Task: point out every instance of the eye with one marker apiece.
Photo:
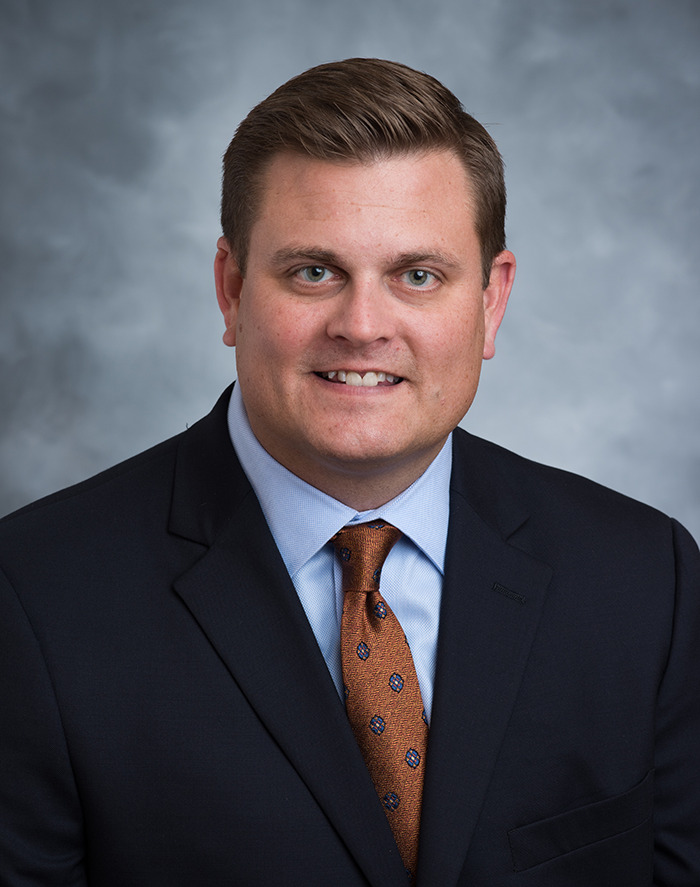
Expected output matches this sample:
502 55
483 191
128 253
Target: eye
418 277
314 274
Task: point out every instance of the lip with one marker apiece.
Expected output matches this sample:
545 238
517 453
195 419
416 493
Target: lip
360 378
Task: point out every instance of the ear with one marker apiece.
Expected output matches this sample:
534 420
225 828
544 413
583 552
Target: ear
496 298
229 283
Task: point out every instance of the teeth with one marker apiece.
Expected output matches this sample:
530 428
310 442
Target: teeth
354 379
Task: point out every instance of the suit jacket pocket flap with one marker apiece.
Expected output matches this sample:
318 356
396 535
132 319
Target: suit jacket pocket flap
541 841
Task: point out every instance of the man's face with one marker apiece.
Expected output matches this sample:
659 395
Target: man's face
361 273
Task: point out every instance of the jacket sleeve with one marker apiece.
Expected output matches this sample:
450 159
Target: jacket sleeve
677 749
41 830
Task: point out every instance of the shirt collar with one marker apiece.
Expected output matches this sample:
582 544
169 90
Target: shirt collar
302 518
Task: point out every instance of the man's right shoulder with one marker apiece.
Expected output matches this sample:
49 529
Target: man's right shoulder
135 477
126 486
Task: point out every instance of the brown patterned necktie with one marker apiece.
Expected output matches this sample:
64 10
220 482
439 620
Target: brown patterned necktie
383 698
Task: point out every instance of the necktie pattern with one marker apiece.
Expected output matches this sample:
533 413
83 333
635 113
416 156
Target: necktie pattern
383 698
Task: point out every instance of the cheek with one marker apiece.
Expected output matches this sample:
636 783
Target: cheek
457 345
455 356
270 334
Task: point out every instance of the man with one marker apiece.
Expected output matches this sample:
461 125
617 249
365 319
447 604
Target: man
175 655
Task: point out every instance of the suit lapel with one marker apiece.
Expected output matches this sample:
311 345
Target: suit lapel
240 594
492 600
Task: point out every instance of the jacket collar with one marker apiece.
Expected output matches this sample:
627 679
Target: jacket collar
209 483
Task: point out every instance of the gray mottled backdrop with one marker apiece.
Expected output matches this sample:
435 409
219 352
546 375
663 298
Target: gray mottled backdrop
114 119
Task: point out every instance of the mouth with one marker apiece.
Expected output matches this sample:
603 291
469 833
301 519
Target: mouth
370 379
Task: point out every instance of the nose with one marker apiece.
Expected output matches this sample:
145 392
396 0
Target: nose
362 313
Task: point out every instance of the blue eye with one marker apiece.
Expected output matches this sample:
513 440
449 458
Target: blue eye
418 277
314 274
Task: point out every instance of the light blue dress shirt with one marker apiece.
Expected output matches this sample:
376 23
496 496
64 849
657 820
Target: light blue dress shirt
302 519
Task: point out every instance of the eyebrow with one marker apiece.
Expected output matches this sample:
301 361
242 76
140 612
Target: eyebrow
305 254
328 257
428 258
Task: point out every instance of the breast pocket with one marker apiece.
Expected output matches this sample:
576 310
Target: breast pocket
547 839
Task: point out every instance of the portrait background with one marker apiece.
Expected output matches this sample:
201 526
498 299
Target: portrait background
113 120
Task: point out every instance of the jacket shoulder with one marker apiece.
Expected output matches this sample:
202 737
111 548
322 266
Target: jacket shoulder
130 486
136 472
554 500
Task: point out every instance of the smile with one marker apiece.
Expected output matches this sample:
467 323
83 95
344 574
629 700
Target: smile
357 380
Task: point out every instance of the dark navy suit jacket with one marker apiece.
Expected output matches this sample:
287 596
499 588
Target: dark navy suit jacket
167 719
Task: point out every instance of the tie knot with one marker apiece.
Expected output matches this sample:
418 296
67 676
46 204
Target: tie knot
362 550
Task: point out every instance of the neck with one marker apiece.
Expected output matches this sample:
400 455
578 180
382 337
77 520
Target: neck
366 488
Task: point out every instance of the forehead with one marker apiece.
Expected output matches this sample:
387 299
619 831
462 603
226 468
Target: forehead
424 194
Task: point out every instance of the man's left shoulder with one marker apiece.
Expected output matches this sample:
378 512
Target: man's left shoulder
556 501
